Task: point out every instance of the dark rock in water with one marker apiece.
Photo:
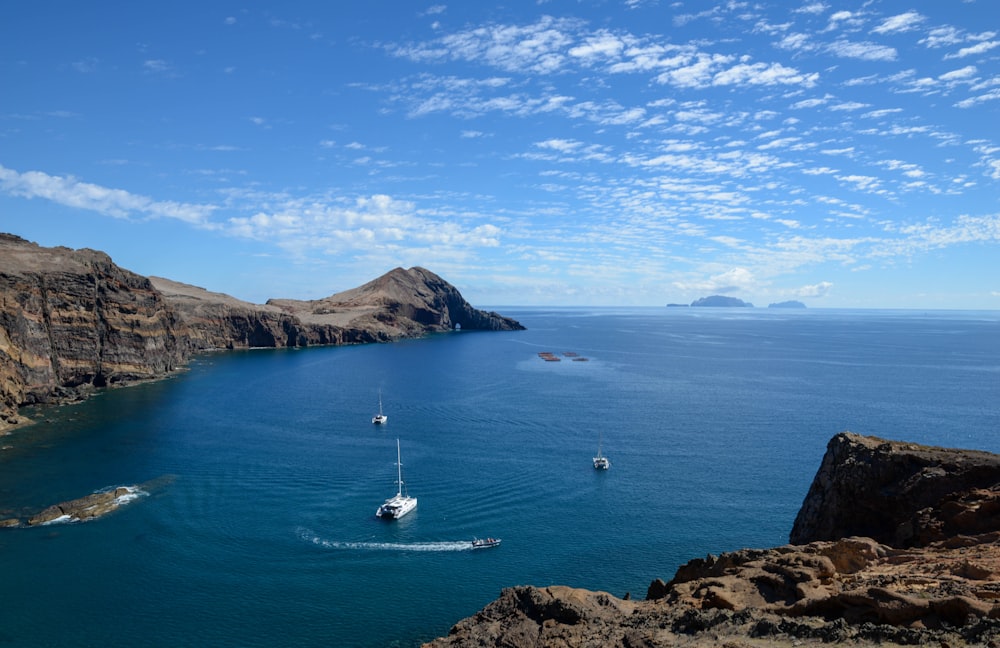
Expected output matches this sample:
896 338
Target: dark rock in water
938 585
72 321
85 508
787 304
721 301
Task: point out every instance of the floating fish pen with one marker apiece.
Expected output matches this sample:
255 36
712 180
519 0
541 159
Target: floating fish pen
548 356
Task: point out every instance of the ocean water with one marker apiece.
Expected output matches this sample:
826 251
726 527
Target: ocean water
262 470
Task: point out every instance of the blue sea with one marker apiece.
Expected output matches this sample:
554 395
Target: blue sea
262 471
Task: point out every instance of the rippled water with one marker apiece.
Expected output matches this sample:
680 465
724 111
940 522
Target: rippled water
263 469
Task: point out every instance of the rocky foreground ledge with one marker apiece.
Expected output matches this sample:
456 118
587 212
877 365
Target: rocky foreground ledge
896 544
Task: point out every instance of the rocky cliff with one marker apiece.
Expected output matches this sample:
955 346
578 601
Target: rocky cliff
930 577
72 321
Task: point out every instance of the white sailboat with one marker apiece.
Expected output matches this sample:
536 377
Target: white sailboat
399 504
379 418
600 461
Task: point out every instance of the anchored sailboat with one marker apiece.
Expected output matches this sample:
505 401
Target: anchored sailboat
600 461
379 418
399 504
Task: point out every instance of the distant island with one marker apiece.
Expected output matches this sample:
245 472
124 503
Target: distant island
787 304
722 301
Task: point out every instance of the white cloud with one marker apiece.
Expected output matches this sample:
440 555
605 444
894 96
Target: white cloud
900 23
943 37
848 106
962 73
992 95
764 74
111 202
561 145
156 66
733 280
814 8
864 51
537 48
816 290
978 48
603 45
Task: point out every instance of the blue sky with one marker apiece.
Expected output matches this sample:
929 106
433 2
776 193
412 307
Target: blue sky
626 152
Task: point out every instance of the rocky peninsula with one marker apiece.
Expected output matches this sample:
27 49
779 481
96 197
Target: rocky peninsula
896 544
72 321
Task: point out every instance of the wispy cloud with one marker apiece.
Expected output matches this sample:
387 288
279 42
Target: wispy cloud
900 23
111 202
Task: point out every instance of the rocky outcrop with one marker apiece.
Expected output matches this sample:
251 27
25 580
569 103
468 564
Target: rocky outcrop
400 303
902 494
930 577
72 321
86 508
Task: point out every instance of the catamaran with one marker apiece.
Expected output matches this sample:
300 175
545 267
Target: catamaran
600 461
379 418
399 504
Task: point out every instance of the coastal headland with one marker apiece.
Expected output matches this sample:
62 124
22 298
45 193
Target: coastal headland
895 544
72 321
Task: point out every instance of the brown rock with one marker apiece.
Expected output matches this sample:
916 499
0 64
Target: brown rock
85 508
901 494
71 320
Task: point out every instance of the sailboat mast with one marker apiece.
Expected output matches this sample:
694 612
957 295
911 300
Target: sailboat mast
399 471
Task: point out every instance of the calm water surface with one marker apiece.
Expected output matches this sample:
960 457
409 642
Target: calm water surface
263 469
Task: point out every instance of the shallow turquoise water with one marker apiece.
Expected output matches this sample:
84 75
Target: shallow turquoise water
265 470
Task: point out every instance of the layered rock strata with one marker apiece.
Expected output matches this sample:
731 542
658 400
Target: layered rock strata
72 321
935 583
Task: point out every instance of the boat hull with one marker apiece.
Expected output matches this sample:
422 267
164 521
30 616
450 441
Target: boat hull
396 507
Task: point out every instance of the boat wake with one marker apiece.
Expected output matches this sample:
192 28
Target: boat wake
312 538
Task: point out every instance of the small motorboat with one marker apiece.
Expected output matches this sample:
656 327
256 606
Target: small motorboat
485 543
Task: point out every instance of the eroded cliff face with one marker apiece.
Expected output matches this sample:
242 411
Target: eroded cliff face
932 577
901 494
72 320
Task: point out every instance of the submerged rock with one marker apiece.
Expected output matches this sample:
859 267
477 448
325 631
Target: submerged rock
82 509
